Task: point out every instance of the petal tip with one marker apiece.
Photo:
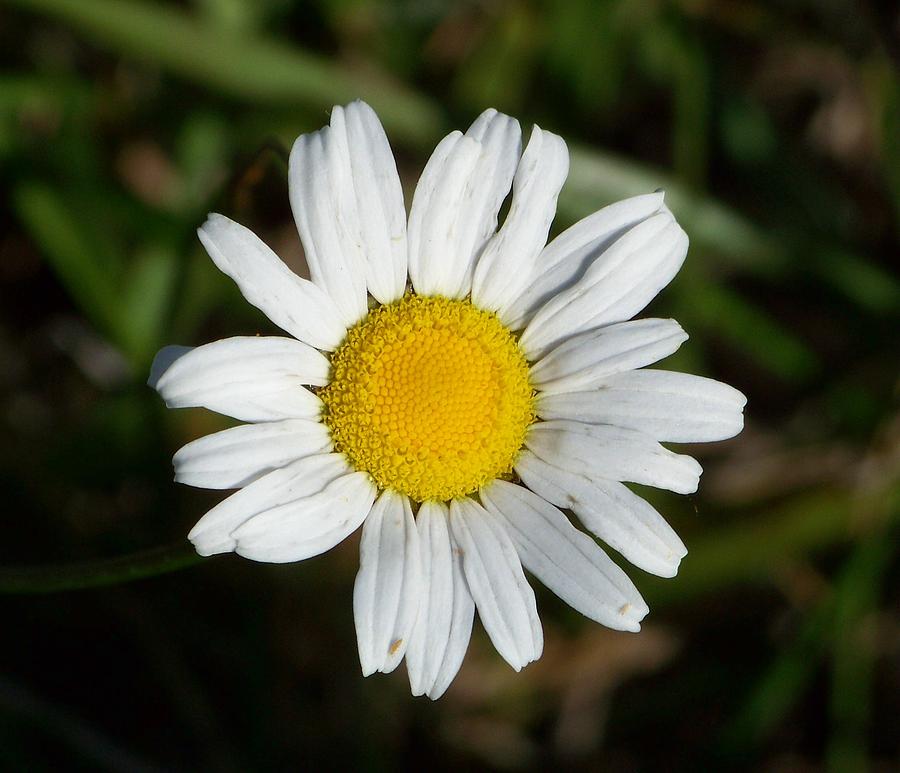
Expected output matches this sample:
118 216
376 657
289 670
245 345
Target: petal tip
669 570
631 615
208 545
367 669
165 359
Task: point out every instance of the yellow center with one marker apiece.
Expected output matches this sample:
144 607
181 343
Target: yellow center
430 396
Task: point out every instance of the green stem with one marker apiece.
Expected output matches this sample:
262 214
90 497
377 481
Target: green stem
94 574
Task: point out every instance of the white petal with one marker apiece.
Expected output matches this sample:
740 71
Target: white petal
388 585
308 526
455 207
432 629
613 453
295 304
566 560
503 597
323 199
564 261
304 478
379 202
446 610
508 262
610 510
617 285
461 618
436 218
248 378
489 184
584 360
667 406
235 457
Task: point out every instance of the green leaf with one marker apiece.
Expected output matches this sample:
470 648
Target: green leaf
723 314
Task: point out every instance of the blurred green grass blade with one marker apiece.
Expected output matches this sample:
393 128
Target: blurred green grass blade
724 314
26 98
498 71
202 151
867 285
260 69
888 86
236 15
748 133
146 301
752 550
71 253
587 51
671 55
244 65
781 686
39 93
597 178
834 622
202 289
853 654
691 115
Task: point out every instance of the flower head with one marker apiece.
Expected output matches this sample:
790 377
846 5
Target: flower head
452 387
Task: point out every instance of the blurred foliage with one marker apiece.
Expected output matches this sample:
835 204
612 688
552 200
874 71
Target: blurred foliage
774 129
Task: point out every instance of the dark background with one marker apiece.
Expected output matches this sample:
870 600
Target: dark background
775 129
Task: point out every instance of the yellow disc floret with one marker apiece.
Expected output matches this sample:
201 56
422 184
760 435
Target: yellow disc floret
430 396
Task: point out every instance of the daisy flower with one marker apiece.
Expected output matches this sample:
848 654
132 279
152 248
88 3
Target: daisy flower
454 387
